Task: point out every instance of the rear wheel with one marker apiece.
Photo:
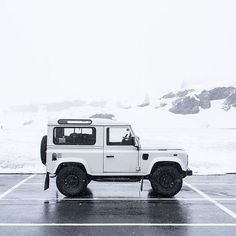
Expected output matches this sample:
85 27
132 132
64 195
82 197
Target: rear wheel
166 181
71 181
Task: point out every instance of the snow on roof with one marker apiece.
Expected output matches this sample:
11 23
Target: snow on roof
93 121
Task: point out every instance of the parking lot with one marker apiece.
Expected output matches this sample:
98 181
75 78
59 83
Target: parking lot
205 206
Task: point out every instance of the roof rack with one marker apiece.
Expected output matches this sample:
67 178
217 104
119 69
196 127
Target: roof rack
75 121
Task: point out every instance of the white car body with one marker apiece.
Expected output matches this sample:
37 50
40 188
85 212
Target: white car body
102 159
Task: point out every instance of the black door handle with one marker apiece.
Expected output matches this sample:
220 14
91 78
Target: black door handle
110 156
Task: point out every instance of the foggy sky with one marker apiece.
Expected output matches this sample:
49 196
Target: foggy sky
56 50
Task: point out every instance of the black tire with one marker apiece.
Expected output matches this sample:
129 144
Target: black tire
71 181
166 181
43 149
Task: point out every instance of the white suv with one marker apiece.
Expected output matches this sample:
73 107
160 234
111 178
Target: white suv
77 151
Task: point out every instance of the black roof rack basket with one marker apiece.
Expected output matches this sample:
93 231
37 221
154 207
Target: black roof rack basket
75 121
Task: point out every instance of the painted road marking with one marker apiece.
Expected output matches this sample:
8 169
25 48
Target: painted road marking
219 205
116 224
215 184
15 186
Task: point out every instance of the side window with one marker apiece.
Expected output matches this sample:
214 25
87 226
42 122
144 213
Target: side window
74 136
119 136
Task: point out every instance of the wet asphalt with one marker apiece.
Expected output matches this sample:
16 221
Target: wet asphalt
111 208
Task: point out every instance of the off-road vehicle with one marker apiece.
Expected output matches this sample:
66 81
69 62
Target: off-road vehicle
77 151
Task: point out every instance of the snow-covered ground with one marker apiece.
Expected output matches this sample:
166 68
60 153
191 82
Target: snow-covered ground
209 137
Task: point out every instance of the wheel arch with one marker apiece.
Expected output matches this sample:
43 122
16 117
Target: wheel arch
64 164
166 163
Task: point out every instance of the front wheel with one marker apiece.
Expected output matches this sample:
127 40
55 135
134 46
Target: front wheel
71 181
166 181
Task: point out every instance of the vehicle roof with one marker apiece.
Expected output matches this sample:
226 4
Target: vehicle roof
94 122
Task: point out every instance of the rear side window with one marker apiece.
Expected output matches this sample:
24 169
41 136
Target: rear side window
74 136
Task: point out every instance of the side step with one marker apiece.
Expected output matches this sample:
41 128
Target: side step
116 179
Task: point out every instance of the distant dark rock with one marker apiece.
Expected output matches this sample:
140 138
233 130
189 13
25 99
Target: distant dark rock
205 103
221 92
183 93
169 95
204 98
124 106
229 102
28 122
146 102
162 104
226 107
103 116
180 93
185 105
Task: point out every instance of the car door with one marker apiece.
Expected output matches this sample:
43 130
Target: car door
120 155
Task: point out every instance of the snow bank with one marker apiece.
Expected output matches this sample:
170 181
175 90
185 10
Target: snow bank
209 137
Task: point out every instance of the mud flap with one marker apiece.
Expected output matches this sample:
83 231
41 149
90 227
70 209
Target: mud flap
141 186
46 183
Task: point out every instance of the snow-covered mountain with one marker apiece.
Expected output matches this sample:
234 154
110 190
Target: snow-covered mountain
191 101
183 101
202 121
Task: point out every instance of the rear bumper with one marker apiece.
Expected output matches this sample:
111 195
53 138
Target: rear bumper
187 172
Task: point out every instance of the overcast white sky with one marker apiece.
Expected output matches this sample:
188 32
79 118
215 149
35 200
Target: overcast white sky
57 50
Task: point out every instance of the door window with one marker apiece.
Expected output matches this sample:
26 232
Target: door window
119 136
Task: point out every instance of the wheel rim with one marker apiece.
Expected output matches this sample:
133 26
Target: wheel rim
167 181
71 181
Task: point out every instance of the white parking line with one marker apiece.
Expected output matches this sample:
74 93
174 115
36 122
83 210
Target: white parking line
215 184
115 225
15 186
219 205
